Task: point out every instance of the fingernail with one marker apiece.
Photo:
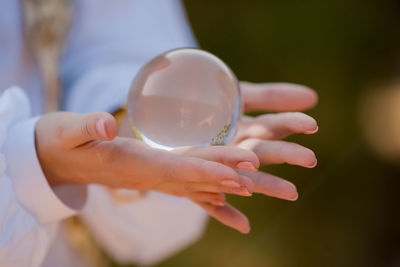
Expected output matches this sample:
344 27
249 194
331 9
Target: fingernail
219 203
246 166
248 192
243 191
246 231
101 128
312 131
230 183
313 165
294 198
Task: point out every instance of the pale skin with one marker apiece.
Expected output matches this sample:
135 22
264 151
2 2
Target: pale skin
86 149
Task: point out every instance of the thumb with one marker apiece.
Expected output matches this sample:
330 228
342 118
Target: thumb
79 129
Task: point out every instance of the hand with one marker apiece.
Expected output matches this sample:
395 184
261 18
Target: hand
84 149
261 135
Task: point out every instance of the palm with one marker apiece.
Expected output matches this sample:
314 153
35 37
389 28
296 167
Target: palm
262 135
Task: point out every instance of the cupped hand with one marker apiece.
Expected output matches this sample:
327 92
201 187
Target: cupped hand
84 149
262 134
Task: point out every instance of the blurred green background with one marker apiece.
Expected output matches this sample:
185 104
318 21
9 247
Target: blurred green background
348 210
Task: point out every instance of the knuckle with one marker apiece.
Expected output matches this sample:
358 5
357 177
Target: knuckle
61 139
286 147
252 144
204 168
85 129
59 133
224 189
173 170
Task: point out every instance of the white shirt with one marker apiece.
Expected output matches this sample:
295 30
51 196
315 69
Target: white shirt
108 43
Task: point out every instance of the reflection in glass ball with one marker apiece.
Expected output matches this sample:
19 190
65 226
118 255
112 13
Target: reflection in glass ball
184 97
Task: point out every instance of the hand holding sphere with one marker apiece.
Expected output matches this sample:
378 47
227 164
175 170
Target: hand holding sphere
188 97
85 149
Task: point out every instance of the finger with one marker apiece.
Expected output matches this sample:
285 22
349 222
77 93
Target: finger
197 187
199 170
276 126
271 185
192 187
277 152
228 215
277 97
233 157
79 129
217 199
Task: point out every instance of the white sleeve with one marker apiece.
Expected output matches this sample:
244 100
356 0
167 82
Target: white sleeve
107 45
29 209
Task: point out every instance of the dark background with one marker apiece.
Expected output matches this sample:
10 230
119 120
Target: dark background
348 210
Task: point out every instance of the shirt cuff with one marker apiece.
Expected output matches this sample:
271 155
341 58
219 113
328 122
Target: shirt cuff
30 185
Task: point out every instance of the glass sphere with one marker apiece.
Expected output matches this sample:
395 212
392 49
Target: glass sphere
184 97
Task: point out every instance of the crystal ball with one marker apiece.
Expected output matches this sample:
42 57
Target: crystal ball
184 97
